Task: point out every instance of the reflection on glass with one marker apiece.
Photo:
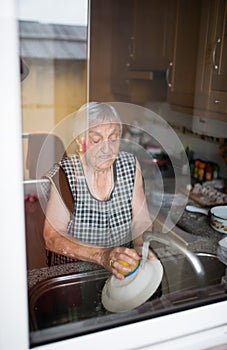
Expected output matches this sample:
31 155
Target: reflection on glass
53 68
53 46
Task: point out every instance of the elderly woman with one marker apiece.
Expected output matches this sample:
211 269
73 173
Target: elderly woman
109 212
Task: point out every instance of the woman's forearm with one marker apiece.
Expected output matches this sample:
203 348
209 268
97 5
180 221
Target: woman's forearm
62 243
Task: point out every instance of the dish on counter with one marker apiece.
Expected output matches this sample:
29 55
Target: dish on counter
217 216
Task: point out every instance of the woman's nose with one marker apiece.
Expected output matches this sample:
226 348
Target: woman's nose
105 148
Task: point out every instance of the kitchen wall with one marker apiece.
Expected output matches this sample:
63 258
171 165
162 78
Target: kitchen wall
204 143
205 150
52 90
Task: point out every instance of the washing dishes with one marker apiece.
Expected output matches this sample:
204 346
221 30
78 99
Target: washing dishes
109 213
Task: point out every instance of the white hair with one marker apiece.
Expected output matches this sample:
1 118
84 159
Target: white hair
93 113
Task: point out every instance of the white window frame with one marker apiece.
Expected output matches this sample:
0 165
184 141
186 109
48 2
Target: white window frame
197 328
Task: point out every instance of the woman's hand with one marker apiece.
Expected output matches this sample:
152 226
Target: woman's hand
151 255
110 260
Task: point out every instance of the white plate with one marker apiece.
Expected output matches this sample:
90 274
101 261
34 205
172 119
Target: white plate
124 295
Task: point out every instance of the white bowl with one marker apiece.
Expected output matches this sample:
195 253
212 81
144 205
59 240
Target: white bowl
218 218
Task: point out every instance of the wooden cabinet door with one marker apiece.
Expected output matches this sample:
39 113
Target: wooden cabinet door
142 46
182 74
211 82
218 96
152 38
219 81
121 34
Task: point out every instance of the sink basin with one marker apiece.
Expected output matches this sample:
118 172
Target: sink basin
64 299
179 275
71 305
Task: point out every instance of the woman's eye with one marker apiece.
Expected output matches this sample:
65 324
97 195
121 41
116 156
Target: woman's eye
114 139
96 140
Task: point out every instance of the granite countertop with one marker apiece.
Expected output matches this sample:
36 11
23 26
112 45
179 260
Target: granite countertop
37 275
203 237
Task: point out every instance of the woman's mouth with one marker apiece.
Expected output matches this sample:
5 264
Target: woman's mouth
105 156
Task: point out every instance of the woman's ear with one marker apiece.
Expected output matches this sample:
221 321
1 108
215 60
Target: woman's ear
81 142
83 145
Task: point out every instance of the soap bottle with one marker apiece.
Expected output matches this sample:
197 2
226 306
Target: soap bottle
216 171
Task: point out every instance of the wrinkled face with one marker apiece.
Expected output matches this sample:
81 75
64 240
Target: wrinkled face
102 145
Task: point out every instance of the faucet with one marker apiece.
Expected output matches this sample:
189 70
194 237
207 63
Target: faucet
191 257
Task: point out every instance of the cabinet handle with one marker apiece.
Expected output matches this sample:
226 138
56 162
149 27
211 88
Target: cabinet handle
132 47
215 66
216 101
168 74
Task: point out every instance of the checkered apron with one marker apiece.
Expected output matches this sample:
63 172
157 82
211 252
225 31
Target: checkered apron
105 223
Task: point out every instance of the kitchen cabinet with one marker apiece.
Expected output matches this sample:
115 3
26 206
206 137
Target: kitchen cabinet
181 72
152 39
121 33
154 47
142 45
211 83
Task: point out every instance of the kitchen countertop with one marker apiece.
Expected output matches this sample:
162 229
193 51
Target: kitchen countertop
38 275
202 237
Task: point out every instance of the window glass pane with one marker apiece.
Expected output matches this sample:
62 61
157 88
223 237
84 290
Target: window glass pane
153 62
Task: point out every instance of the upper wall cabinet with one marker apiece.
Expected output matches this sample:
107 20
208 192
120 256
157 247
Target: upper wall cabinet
154 47
120 22
161 50
211 83
152 34
181 73
142 47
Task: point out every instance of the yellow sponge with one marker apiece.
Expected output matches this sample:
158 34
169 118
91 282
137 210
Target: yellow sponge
132 267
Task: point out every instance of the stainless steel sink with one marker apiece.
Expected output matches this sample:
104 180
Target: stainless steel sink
179 275
64 299
71 305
